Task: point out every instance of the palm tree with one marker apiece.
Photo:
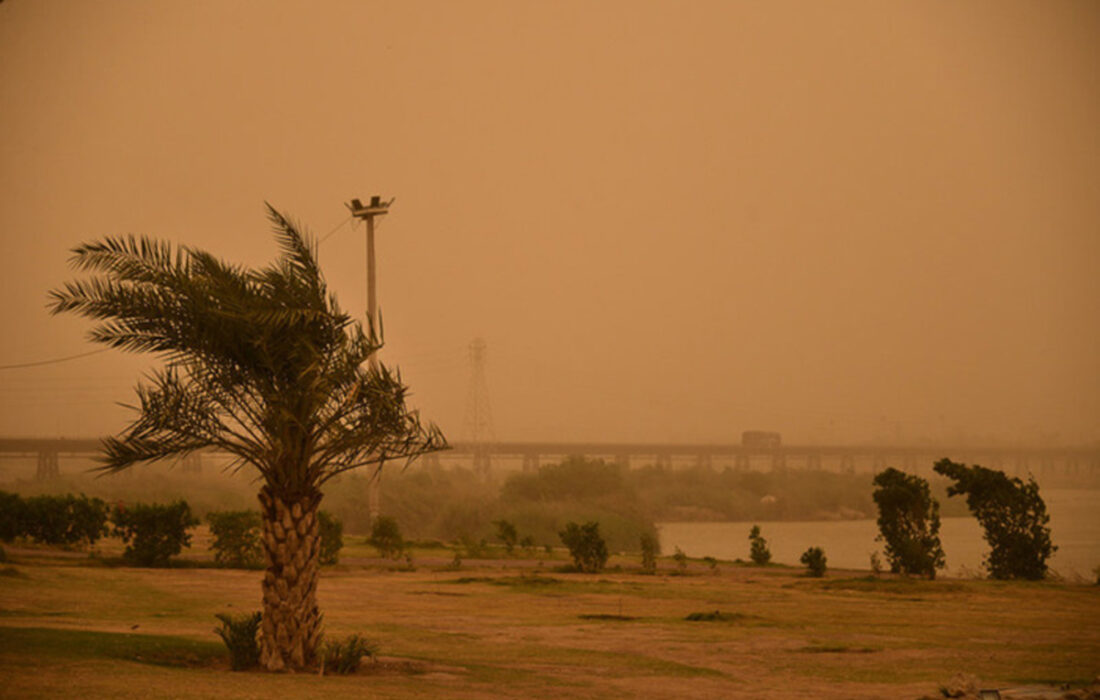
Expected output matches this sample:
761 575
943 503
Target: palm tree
261 364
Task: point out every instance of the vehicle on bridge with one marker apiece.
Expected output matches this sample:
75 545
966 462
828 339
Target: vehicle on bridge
760 438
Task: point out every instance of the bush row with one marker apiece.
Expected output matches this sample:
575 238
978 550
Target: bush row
152 533
61 520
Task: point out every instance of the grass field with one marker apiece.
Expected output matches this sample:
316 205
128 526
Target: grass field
518 628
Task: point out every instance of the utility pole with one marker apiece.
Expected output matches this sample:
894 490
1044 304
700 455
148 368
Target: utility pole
376 208
367 213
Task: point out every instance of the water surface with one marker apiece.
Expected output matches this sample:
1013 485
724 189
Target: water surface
1074 524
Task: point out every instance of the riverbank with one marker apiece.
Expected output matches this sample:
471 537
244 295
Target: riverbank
1074 523
523 628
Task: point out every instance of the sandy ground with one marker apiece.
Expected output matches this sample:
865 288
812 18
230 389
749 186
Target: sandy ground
515 628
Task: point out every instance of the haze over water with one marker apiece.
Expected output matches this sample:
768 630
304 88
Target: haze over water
1074 524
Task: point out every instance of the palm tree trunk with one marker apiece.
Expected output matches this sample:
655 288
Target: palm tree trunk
292 544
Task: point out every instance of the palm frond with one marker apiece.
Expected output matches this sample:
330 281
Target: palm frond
260 363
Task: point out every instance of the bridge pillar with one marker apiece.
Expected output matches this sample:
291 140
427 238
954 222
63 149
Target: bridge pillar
431 461
704 461
813 461
779 462
878 462
663 461
741 462
530 463
623 460
847 464
47 466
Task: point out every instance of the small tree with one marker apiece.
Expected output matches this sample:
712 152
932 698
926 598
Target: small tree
909 523
153 533
236 539
758 547
650 549
1012 514
586 546
814 559
506 533
385 536
332 537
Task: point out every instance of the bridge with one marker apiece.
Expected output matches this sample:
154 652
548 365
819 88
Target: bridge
1081 461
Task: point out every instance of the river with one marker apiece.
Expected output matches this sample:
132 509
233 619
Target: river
1074 525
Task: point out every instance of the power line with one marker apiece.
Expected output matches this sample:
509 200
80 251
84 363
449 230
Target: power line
54 361
69 358
338 227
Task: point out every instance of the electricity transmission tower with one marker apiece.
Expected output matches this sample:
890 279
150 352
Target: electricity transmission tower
479 416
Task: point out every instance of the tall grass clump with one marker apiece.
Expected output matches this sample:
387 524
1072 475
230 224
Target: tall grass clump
239 634
345 656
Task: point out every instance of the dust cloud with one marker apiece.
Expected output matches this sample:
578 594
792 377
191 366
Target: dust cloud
669 222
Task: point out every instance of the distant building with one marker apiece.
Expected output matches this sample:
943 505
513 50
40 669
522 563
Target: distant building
760 438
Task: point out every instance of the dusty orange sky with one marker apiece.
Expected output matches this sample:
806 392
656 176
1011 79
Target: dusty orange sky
669 221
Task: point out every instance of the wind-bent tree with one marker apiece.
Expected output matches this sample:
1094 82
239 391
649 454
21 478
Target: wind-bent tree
909 523
259 363
1012 514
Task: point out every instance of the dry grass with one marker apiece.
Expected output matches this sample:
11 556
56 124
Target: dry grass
501 630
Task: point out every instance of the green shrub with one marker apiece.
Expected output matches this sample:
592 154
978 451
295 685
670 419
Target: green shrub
332 537
758 547
12 516
239 634
506 533
345 656
650 549
587 548
876 565
474 549
814 559
1012 514
715 616
64 519
236 538
681 560
909 523
385 536
153 533
456 561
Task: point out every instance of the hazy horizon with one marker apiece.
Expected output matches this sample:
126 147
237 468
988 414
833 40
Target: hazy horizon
669 222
